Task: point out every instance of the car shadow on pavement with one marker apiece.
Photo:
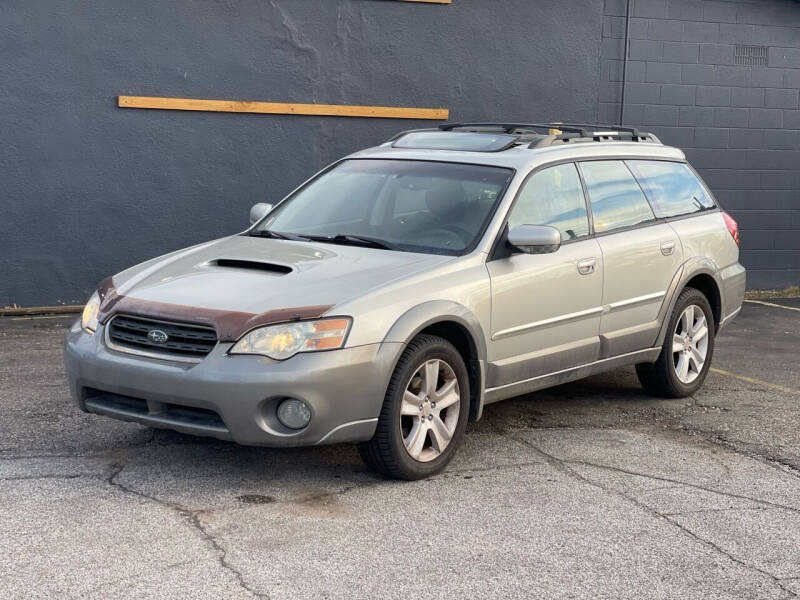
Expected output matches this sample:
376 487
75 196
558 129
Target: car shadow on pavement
255 474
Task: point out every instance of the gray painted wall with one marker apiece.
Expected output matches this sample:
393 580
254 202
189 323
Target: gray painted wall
89 188
739 125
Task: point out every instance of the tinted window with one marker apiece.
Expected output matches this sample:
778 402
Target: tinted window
554 197
672 187
417 206
616 199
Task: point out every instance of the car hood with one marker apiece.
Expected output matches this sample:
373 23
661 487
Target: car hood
253 275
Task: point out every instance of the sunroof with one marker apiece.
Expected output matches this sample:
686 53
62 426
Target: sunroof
456 140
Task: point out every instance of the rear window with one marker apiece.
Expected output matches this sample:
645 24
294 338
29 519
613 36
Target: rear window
672 188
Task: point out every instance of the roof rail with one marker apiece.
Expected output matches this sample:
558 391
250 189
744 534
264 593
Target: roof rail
556 133
567 131
510 127
632 130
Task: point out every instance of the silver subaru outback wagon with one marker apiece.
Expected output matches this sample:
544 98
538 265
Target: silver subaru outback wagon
396 293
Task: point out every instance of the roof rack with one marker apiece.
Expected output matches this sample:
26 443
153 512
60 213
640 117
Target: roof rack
534 134
511 127
568 132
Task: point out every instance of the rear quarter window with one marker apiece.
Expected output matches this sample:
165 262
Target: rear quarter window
672 188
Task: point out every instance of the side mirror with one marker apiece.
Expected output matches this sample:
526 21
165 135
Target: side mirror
535 239
259 211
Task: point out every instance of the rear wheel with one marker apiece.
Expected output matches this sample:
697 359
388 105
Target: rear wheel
424 412
686 353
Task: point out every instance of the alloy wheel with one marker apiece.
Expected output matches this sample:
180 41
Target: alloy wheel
429 410
690 344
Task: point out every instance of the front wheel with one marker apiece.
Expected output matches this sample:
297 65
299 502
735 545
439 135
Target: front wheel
424 413
686 354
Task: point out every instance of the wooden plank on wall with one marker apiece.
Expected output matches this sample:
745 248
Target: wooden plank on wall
282 108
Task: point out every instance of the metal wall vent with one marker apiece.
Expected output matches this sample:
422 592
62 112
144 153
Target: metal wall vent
750 56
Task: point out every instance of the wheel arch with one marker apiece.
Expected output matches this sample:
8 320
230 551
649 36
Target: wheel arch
701 274
708 285
458 325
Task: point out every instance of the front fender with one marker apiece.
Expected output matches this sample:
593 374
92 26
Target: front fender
418 318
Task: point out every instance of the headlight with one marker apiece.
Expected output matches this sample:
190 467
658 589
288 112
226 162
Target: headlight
90 313
287 339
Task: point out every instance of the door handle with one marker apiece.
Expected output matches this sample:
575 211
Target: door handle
586 266
668 247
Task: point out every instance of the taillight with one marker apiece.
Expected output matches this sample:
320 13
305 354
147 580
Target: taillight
733 226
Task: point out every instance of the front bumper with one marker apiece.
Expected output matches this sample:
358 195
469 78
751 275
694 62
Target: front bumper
234 397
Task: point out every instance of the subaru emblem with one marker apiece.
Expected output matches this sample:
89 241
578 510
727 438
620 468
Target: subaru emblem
157 336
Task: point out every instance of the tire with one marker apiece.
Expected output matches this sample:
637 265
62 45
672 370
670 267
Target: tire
387 451
669 377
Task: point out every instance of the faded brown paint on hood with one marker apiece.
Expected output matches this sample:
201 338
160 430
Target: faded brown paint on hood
322 275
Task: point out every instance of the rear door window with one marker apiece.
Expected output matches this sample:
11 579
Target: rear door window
616 199
673 189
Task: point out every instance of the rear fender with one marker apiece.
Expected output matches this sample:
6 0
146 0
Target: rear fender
691 268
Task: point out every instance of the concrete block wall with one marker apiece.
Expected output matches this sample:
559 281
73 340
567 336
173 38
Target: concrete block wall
90 188
739 125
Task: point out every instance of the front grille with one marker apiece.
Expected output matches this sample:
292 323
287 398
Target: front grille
182 339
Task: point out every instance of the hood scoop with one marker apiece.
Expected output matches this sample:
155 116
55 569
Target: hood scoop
252 265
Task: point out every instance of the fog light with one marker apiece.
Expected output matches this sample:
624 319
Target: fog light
294 414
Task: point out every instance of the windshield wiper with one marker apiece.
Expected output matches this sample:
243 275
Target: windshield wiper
352 240
267 233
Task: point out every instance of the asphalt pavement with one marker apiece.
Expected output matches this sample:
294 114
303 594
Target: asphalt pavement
588 490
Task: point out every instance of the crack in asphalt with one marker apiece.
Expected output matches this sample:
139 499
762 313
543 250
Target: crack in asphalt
683 513
696 402
47 476
696 486
776 462
193 518
735 446
130 581
493 469
100 453
563 466
35 456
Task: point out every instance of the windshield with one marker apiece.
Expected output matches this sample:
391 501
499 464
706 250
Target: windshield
416 206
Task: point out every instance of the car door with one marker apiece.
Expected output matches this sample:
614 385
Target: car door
546 308
641 256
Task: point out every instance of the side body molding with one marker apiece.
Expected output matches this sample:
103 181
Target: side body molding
430 313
